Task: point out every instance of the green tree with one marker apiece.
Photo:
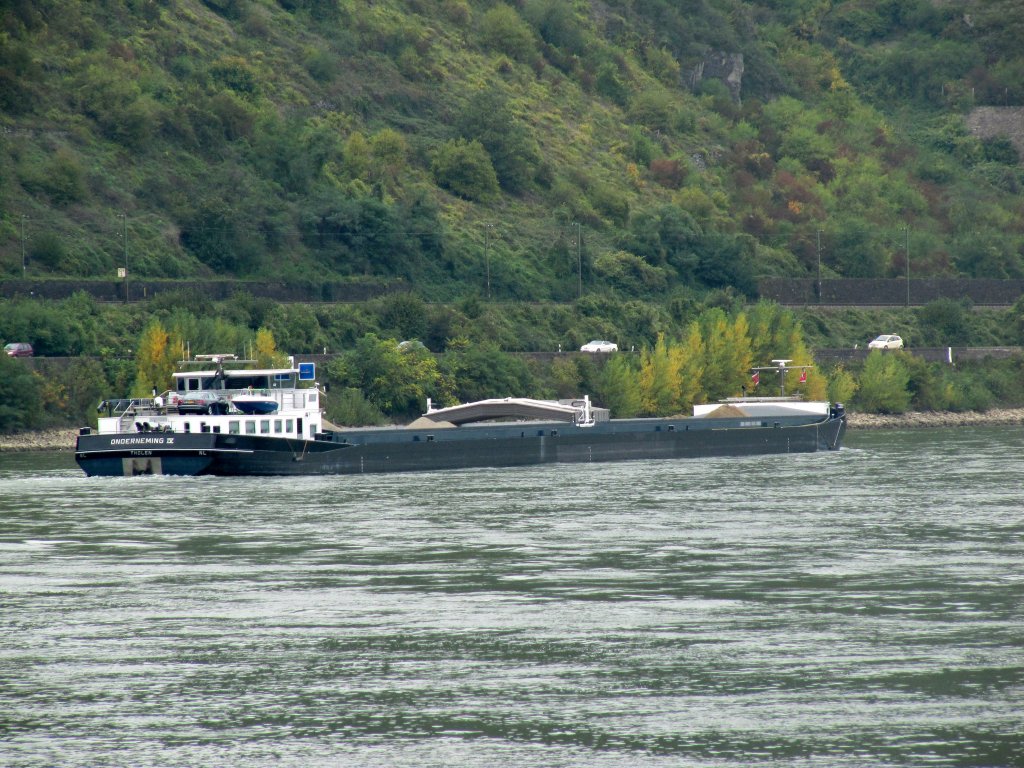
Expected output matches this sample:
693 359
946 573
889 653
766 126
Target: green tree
397 381
20 403
841 385
481 370
488 119
357 156
884 384
619 388
404 314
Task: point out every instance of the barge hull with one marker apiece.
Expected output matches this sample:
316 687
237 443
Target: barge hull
557 445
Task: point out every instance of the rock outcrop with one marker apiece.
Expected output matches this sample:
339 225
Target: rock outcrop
727 67
989 122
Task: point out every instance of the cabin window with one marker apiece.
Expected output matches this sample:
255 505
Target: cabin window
312 431
289 426
233 427
278 425
265 427
250 427
312 397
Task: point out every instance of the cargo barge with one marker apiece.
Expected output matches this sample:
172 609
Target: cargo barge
252 422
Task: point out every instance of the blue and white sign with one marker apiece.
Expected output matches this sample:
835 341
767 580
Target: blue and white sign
307 371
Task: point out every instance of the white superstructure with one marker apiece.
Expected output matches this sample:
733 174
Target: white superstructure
271 402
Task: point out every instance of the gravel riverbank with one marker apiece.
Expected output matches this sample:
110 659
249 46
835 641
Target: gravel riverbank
64 439
45 440
913 419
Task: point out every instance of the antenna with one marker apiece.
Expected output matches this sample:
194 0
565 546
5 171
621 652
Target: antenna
781 368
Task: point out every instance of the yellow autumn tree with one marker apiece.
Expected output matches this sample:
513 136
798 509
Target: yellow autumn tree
775 333
154 360
658 379
690 368
267 355
727 353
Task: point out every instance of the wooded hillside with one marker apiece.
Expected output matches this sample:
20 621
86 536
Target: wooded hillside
529 150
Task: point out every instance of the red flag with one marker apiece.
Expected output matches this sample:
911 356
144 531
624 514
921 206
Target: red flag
803 377
756 378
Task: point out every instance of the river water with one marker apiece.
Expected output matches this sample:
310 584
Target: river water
859 608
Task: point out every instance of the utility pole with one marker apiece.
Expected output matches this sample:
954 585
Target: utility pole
819 266
124 216
487 256
24 263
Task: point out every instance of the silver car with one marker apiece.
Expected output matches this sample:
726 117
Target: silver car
886 342
599 345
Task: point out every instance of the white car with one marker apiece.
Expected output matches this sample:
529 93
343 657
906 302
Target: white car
886 342
599 345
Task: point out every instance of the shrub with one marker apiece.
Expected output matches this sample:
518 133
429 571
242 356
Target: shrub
502 29
320 64
350 408
48 249
630 273
609 84
65 180
999 149
668 173
654 108
464 168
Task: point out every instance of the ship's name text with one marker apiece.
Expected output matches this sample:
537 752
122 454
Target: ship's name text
142 441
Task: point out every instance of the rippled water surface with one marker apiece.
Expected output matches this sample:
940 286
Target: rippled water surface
862 608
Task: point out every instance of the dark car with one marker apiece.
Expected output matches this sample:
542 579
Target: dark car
18 349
